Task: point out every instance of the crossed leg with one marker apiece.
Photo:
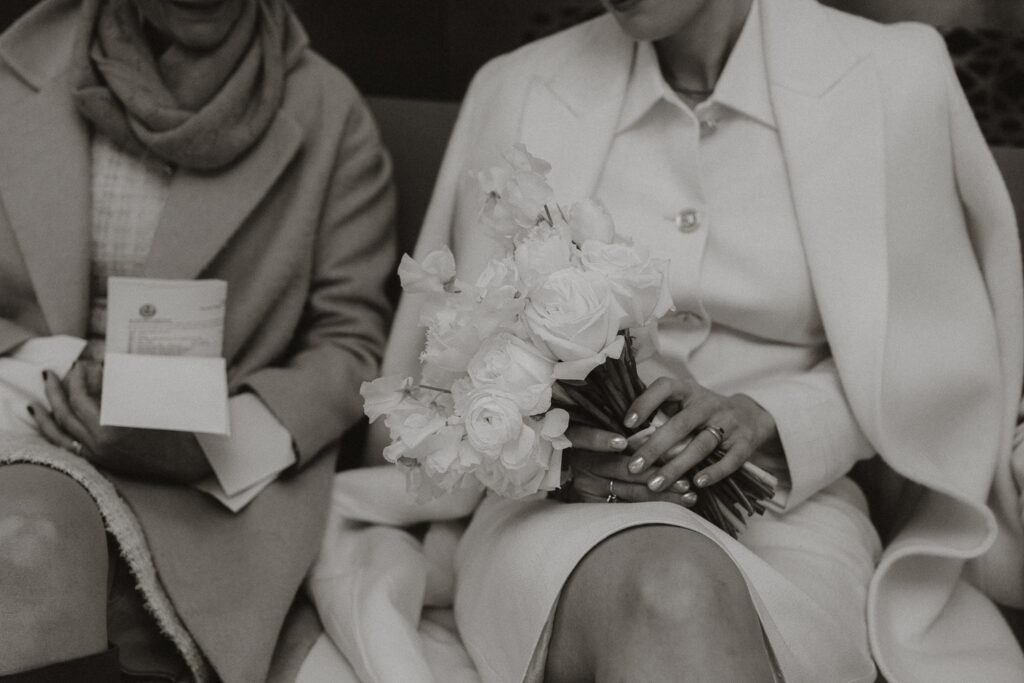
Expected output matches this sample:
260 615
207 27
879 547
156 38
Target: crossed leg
656 603
53 569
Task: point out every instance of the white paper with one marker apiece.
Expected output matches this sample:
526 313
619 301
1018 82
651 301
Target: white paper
165 392
163 367
235 502
259 446
166 317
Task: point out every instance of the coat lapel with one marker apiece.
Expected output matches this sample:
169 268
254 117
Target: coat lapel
569 118
44 186
203 211
830 120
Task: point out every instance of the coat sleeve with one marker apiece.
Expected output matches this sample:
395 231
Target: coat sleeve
340 339
820 435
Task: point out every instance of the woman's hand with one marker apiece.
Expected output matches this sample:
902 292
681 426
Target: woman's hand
600 475
74 425
701 422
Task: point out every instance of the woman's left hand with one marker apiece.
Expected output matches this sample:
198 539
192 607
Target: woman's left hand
74 425
701 422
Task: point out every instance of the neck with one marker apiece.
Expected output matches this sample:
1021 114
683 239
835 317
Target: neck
693 58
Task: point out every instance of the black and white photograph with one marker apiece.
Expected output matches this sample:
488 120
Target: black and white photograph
511 341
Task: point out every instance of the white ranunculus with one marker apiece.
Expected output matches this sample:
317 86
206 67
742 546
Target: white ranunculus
534 464
589 220
638 281
493 421
575 318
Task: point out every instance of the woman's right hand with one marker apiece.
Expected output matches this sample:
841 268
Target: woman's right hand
598 460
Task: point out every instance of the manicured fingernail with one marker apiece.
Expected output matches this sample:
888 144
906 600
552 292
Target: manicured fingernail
702 480
631 419
618 443
655 483
677 449
681 486
636 465
689 498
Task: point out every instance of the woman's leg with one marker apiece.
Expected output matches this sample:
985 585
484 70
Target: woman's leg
53 569
656 603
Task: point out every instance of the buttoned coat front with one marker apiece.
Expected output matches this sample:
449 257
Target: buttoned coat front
913 252
300 228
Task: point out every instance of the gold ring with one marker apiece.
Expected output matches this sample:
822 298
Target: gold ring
717 432
612 498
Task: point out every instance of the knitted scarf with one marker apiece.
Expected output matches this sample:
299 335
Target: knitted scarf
199 110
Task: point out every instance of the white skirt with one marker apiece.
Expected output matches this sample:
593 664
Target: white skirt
807 571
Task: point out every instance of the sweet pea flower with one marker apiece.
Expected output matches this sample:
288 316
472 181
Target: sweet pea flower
574 317
384 394
433 274
589 220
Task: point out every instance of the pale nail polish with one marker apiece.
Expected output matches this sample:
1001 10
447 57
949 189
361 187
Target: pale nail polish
636 465
655 483
690 498
681 486
702 480
631 419
618 443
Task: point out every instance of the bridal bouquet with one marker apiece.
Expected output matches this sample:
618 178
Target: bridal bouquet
545 335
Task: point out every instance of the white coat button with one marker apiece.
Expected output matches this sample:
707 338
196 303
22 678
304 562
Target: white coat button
687 220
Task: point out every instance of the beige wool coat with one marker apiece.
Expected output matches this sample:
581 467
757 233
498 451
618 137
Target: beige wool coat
913 252
301 228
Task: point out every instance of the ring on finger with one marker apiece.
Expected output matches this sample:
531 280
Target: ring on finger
612 498
76 447
716 432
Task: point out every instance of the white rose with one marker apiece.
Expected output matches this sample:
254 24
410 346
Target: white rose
542 252
589 220
638 281
575 318
507 361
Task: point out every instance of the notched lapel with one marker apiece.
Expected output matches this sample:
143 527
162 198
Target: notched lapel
835 155
569 118
45 193
827 102
204 210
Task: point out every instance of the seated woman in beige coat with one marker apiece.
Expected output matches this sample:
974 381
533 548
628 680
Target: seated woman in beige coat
846 276
176 140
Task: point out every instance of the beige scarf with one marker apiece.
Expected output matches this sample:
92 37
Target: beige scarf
200 110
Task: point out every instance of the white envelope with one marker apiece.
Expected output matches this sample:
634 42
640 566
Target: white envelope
184 393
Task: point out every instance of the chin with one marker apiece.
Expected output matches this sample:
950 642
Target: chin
652 19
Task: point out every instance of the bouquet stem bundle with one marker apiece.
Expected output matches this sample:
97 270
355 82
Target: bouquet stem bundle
601 401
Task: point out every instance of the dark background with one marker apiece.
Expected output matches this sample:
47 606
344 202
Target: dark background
430 48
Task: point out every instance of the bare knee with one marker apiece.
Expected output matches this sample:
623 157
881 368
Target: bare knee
685 580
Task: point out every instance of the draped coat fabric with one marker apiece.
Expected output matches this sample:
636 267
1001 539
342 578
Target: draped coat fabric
913 252
301 229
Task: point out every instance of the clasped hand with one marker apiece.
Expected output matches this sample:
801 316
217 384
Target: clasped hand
74 424
655 470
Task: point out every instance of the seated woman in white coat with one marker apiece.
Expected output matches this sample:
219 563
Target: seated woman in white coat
846 278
